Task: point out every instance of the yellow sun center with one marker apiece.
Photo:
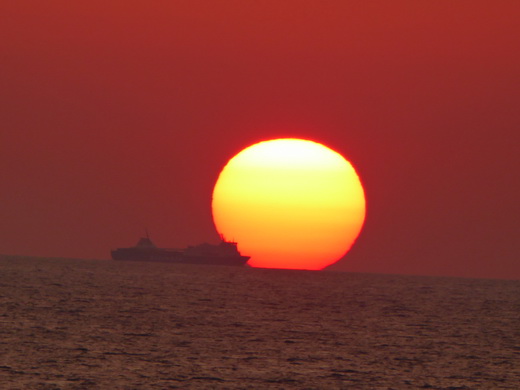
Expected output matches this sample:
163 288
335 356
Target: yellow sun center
289 203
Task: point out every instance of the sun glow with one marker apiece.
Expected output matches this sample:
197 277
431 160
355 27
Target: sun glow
289 203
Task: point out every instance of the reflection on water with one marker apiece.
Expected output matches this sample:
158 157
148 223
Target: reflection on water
101 324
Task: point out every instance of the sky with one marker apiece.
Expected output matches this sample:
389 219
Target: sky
119 115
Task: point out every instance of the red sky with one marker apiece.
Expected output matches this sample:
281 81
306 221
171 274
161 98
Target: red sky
119 115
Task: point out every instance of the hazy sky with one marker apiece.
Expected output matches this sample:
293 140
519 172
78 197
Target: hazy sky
119 115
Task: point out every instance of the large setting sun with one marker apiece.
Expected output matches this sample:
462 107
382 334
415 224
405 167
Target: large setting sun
289 203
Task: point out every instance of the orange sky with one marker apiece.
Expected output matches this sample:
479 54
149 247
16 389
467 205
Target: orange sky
120 115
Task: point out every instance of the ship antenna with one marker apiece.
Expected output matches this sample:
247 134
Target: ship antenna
146 231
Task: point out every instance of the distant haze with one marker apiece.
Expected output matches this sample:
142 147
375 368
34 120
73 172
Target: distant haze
117 116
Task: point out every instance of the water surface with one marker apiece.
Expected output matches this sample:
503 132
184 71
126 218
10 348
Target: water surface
87 324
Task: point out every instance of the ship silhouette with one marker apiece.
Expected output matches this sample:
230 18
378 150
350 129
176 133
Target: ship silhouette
224 253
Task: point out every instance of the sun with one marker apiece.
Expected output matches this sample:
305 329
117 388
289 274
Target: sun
289 203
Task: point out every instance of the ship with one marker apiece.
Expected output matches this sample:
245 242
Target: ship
224 253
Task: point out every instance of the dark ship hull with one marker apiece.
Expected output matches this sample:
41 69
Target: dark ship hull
226 253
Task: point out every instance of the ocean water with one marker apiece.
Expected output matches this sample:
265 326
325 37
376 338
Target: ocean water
87 324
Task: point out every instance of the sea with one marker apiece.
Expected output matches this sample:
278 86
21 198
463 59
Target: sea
102 324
